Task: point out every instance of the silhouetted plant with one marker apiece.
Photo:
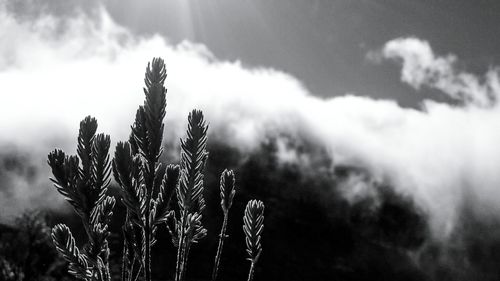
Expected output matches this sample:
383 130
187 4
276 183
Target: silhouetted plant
253 227
146 189
188 228
227 192
83 180
137 170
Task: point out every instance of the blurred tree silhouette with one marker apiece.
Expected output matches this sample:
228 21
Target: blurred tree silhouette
26 250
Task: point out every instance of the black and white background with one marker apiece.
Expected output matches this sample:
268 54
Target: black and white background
370 128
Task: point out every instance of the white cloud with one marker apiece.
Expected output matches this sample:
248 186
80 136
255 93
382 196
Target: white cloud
50 80
421 67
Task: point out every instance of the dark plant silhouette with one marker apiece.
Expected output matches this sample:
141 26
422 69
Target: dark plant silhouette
253 227
227 192
146 189
137 170
83 180
187 226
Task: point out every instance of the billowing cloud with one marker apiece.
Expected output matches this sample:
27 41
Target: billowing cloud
421 67
54 71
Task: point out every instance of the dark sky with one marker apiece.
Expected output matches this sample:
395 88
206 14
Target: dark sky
321 42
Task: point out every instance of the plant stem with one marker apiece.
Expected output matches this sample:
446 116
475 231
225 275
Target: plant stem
222 236
124 256
130 272
187 248
138 273
147 255
125 261
251 271
147 226
180 249
107 275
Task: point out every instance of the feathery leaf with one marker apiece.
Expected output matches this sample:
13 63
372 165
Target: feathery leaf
65 244
88 127
154 106
253 227
194 229
161 205
101 166
193 158
139 138
227 189
66 178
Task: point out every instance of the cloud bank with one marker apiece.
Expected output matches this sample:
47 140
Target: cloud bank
421 67
55 71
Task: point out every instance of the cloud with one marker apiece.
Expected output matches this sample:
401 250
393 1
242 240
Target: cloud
421 67
54 71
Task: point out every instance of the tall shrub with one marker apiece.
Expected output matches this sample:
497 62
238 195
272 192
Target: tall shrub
147 188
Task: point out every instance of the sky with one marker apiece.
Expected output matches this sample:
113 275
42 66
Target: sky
405 89
322 42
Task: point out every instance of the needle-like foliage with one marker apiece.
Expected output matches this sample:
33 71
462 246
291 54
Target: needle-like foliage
83 180
193 158
65 179
129 175
65 244
161 206
147 188
227 192
137 170
253 225
188 228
